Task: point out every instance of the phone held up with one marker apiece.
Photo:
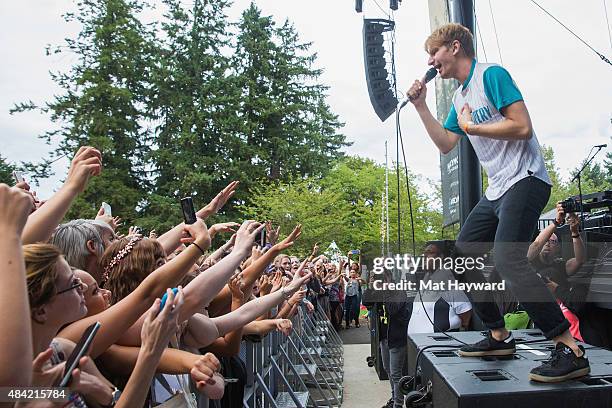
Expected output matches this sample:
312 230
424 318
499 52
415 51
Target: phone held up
107 209
81 348
18 176
189 215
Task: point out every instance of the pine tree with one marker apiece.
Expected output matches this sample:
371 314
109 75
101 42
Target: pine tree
288 127
6 171
104 102
194 107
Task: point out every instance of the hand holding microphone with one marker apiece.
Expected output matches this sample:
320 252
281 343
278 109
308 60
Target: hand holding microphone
418 90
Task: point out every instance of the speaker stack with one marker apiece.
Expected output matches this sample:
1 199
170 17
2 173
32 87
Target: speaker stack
379 88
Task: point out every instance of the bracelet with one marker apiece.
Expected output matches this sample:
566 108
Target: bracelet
576 236
557 223
199 247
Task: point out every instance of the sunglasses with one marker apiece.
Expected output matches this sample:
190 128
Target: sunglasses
76 283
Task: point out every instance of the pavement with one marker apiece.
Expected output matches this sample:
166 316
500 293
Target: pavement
362 388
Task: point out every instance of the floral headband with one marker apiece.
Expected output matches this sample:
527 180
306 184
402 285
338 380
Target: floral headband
122 254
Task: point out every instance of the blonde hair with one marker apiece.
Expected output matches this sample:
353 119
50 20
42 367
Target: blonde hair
130 271
448 33
41 272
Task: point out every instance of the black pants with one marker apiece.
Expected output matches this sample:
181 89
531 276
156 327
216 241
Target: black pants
507 224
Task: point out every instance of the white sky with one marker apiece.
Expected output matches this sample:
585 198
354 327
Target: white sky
566 87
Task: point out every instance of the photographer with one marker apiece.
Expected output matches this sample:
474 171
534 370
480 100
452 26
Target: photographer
543 254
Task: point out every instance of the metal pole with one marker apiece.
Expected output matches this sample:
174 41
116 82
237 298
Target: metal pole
470 179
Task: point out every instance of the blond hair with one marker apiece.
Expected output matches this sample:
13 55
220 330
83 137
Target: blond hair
41 272
448 33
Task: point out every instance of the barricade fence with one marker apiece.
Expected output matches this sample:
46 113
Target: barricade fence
304 369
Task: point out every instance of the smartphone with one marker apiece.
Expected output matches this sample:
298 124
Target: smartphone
165 298
262 238
189 214
18 176
355 251
107 209
79 351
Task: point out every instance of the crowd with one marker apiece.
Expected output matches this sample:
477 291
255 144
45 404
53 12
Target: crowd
59 278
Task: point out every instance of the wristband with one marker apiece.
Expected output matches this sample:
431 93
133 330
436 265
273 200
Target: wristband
557 223
199 247
576 236
466 127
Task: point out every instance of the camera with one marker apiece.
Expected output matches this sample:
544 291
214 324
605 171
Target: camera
571 205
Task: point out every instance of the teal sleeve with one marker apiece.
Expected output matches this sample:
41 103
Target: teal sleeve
500 88
452 123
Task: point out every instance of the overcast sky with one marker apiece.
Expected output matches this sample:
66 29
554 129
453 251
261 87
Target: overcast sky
566 87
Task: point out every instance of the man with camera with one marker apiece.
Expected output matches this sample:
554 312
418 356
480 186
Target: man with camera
489 110
544 256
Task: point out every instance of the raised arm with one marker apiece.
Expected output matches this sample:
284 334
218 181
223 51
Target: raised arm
208 330
200 291
538 243
221 302
444 139
40 226
172 239
117 319
16 343
573 264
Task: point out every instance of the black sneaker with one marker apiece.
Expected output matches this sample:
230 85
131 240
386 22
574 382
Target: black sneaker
562 365
489 347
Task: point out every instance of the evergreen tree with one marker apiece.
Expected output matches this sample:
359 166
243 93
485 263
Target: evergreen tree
6 171
104 102
194 105
288 128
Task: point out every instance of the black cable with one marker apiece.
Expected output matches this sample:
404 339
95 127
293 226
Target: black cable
480 36
603 57
495 31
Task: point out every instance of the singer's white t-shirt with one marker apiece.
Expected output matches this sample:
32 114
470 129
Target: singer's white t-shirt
487 90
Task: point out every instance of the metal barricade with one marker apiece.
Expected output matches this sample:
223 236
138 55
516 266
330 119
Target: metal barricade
302 370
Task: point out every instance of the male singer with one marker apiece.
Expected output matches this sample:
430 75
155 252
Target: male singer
489 110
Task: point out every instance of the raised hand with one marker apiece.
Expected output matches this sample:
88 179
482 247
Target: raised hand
245 236
223 227
15 206
198 233
158 327
236 288
153 234
256 253
288 242
265 285
417 93
219 201
271 233
277 282
87 162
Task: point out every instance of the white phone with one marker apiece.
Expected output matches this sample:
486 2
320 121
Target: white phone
107 209
18 176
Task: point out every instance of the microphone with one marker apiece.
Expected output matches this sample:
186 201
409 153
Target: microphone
429 75
601 146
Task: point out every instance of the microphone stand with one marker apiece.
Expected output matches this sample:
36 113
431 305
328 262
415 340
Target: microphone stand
588 161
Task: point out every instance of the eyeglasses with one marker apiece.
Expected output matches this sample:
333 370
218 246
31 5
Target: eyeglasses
76 283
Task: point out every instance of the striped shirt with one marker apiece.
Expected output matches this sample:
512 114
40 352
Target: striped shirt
487 90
